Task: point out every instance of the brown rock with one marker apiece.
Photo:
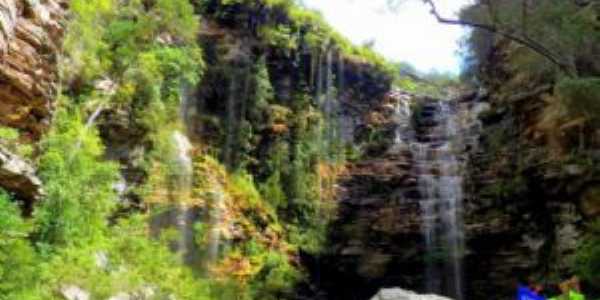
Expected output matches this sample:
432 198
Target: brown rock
30 35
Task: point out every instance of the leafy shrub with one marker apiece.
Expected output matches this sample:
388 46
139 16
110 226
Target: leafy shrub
132 263
18 260
9 137
78 182
8 134
285 21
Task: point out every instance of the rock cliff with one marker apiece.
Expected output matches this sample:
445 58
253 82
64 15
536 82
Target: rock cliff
29 49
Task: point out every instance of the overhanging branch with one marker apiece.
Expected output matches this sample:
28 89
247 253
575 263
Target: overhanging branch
524 41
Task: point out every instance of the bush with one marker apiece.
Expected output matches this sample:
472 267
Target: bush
9 138
132 263
18 261
78 183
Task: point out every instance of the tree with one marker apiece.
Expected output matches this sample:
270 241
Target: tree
501 20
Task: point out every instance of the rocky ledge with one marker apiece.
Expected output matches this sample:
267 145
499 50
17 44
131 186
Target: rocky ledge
30 34
17 176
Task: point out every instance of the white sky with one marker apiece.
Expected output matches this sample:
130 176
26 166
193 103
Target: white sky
410 34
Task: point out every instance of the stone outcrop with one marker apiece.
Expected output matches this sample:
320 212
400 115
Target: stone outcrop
400 294
30 35
18 177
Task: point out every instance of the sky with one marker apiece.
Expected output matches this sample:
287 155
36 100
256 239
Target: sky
409 34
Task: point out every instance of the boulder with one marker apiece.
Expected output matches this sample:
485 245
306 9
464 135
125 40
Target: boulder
72 292
400 294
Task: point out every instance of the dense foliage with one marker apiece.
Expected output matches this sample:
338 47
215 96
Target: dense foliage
561 31
76 208
17 257
432 83
291 27
264 203
537 60
132 56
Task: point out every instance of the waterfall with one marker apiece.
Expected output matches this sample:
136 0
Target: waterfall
403 133
435 151
348 123
182 188
329 104
179 213
215 219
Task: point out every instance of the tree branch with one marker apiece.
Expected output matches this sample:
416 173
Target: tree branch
524 41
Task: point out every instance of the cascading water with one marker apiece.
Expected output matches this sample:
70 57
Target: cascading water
182 189
438 169
215 219
404 132
179 213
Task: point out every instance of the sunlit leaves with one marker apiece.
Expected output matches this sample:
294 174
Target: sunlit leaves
17 258
78 183
116 40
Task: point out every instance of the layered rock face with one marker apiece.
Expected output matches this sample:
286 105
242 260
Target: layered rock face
524 221
29 43
379 238
533 181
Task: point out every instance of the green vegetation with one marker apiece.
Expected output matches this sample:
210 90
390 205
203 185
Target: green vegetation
433 83
128 56
10 138
257 263
588 256
557 37
17 258
289 26
537 60
76 208
266 163
132 56
128 65
550 42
